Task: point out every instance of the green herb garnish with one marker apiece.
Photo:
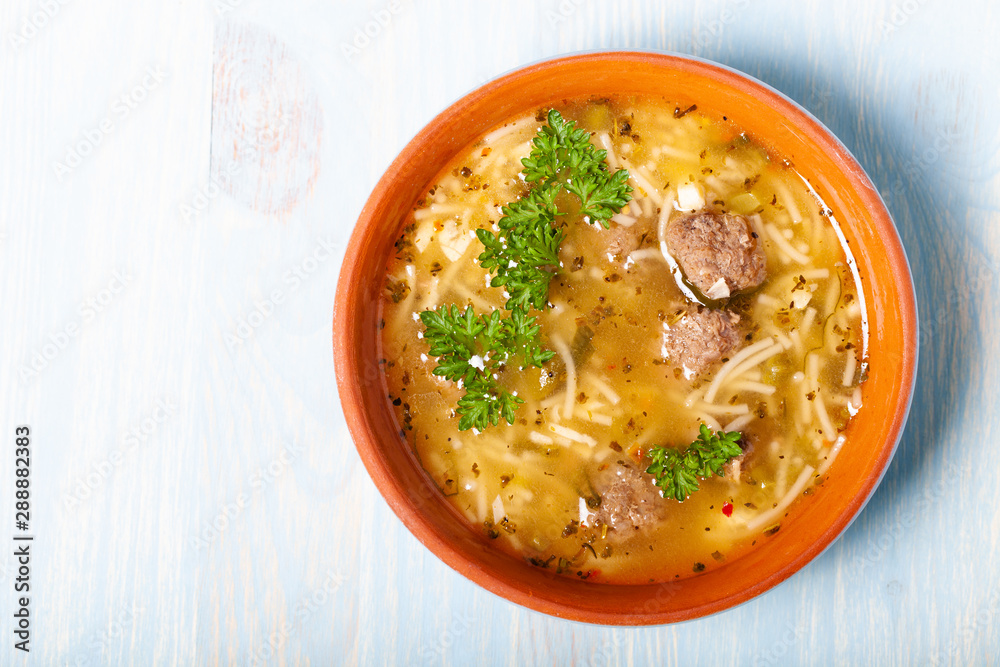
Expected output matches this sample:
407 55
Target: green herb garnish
524 253
564 157
677 473
523 256
473 349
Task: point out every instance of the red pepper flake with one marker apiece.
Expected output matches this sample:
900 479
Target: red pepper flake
727 509
611 367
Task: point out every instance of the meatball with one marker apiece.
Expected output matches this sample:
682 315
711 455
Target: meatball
719 253
621 239
734 469
700 338
629 499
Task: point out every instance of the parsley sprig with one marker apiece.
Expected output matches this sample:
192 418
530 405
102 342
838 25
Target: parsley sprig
523 256
677 473
564 157
473 349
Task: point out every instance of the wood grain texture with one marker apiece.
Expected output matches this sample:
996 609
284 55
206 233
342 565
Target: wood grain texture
196 497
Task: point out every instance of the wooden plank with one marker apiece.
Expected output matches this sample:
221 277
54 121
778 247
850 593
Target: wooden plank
177 183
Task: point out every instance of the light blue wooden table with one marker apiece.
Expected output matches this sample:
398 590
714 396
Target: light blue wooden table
177 182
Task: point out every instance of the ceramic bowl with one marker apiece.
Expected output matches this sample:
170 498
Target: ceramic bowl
775 122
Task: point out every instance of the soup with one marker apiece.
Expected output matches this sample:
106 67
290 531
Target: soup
646 403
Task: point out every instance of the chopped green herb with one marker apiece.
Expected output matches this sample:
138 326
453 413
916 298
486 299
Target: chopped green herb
677 473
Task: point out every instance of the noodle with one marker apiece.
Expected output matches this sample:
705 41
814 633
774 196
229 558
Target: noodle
772 515
733 363
567 358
